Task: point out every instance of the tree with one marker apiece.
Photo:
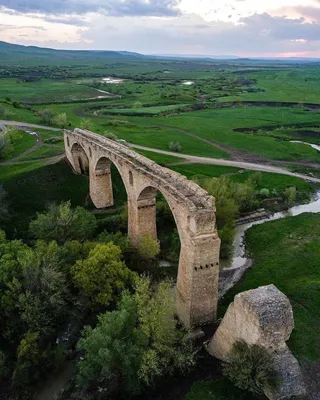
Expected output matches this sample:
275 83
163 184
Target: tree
137 104
102 275
148 248
63 223
4 370
44 289
250 368
8 137
4 213
112 351
61 120
110 135
46 115
175 146
264 192
290 195
86 124
227 210
131 347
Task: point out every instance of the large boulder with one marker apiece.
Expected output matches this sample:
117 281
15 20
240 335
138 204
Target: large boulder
262 317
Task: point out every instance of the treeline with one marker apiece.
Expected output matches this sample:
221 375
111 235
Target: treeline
234 199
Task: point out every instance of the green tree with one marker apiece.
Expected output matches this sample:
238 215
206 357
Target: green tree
148 248
86 124
30 359
61 120
63 223
175 146
4 370
4 212
290 195
44 291
102 275
112 351
131 347
46 115
250 368
227 210
110 135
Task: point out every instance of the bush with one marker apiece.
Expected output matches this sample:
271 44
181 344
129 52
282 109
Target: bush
110 135
62 223
250 368
61 120
53 140
102 275
148 248
264 192
46 115
175 146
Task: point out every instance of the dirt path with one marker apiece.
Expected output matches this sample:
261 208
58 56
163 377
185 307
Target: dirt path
195 159
242 155
231 163
26 125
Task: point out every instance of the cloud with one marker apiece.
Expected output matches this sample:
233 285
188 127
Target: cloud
156 8
259 34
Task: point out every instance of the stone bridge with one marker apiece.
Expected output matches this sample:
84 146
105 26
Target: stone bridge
192 207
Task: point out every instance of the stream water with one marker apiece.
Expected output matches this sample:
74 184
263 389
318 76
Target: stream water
232 270
314 146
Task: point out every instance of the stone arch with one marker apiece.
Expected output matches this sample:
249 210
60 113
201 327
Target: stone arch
80 159
147 212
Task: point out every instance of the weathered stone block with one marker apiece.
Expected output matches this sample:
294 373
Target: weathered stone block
263 317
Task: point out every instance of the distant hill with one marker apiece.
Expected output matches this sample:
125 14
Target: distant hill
16 53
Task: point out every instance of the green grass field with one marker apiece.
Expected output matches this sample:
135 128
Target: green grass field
286 253
45 90
21 142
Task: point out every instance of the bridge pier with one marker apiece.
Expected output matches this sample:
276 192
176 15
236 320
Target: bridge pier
142 214
197 282
101 191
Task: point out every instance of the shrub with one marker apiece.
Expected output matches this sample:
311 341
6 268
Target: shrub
250 368
62 223
264 192
110 135
148 248
175 146
290 194
53 140
46 115
61 120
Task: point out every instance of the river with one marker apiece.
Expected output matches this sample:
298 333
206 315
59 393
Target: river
232 270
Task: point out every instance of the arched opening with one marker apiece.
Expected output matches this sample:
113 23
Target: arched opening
68 142
130 178
90 152
106 185
80 159
156 218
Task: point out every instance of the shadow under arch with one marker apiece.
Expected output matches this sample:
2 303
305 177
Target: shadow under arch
159 218
108 181
80 159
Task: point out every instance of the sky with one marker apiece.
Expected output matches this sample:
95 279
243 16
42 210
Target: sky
245 28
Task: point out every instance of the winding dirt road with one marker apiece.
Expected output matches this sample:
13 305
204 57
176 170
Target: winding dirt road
193 159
